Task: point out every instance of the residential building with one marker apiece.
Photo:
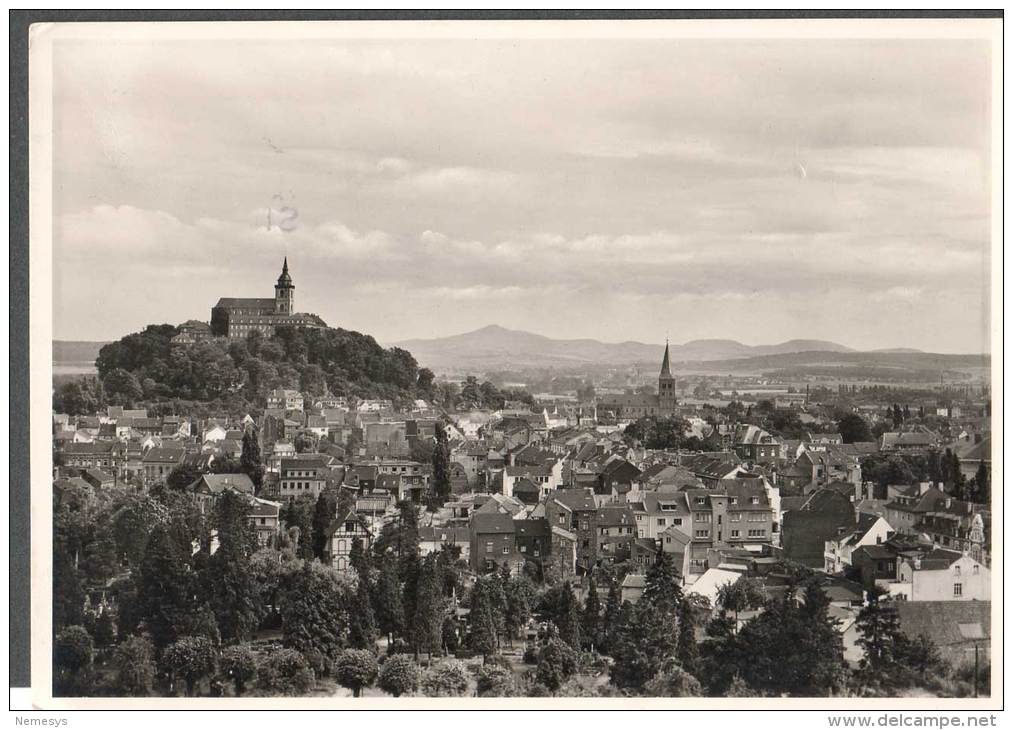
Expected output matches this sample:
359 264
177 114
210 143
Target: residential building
304 476
159 462
341 536
942 575
868 530
493 541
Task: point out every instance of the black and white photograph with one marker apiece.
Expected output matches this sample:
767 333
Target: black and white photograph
615 363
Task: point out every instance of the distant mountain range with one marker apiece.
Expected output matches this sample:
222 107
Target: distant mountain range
75 351
495 346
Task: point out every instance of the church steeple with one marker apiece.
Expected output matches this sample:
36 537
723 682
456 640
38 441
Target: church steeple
284 292
666 367
285 279
666 384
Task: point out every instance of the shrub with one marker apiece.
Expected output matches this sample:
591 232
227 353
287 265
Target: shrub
557 662
73 654
673 681
355 669
239 666
285 672
495 680
134 666
399 675
446 679
191 658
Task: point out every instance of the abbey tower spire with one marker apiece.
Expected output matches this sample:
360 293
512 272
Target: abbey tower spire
284 292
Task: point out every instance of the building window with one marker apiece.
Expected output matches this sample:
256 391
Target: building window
661 522
735 533
488 547
956 570
958 590
975 570
506 551
702 533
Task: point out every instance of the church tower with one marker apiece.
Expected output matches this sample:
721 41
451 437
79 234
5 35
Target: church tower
284 292
666 385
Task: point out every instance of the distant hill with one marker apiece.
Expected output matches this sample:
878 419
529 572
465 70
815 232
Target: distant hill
495 346
75 351
881 365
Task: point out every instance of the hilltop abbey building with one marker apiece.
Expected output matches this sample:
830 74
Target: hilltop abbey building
638 405
236 318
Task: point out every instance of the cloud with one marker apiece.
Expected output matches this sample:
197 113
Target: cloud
586 187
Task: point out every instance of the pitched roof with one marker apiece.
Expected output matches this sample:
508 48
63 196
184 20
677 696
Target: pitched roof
261 303
492 522
218 483
167 455
574 499
946 623
977 452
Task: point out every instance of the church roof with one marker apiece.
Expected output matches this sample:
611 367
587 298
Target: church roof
250 303
666 368
285 279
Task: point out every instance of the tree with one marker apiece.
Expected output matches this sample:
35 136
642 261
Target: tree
358 557
324 512
182 477
791 649
399 675
79 397
387 599
740 595
239 666
355 669
661 584
122 387
495 680
361 623
610 622
73 653
164 589
486 617
673 681
229 581
567 616
519 594
853 428
298 513
191 659
445 679
591 618
649 634
687 652
427 624
441 469
314 615
557 662
880 636
250 460
285 672
134 667
982 493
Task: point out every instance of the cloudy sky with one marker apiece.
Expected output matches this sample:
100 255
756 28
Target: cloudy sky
609 188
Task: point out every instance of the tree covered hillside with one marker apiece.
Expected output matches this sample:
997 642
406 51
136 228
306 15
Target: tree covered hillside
145 368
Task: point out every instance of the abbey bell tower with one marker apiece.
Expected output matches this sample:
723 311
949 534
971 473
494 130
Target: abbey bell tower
284 292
